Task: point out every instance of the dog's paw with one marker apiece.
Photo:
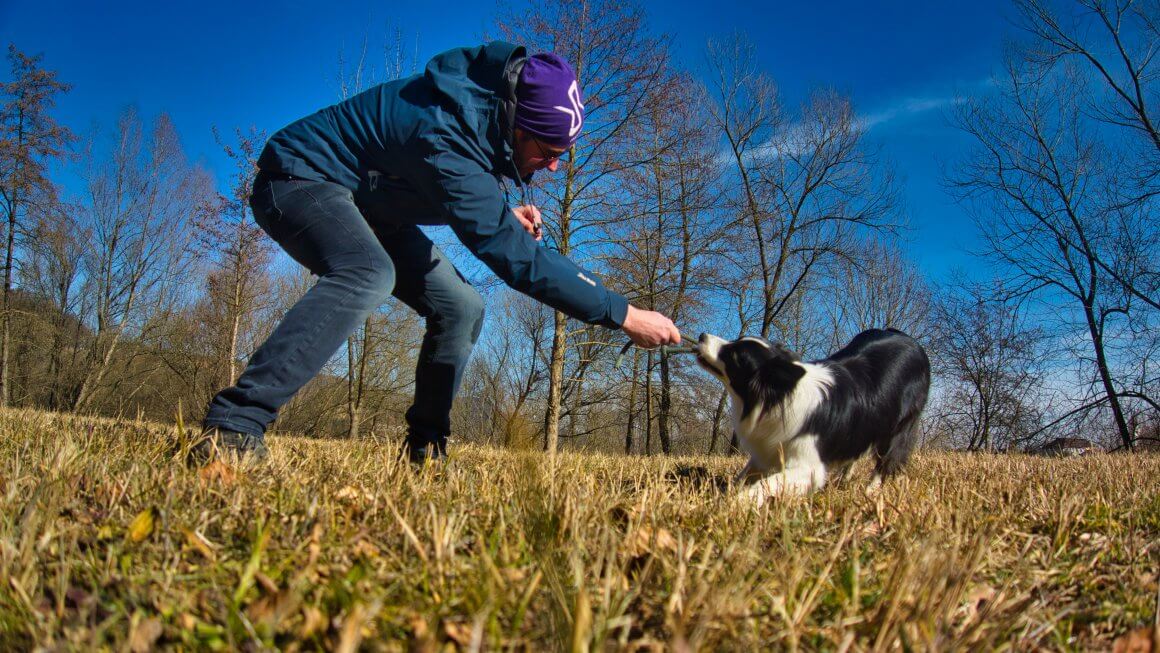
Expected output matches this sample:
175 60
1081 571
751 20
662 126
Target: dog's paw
774 487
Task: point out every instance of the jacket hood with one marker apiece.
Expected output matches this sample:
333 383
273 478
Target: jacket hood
483 77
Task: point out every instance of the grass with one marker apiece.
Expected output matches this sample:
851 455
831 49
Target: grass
107 541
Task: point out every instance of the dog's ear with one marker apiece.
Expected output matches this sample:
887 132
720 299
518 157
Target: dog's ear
774 380
783 351
780 373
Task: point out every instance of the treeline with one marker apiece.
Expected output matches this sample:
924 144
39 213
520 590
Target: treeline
143 288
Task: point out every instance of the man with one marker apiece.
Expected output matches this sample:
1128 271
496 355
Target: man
343 191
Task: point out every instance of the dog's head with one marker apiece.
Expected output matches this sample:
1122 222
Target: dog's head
758 372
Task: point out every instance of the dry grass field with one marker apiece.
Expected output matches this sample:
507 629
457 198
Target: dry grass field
107 541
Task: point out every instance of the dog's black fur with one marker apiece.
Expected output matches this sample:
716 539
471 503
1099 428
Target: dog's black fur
869 394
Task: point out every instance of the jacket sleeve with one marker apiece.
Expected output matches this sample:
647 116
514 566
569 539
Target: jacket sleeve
470 199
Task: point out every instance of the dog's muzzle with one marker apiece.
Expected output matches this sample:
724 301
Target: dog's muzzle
708 352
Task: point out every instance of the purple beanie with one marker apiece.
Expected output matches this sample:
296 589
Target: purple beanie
548 102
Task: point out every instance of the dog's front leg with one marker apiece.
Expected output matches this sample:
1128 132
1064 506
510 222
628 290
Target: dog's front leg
748 474
797 480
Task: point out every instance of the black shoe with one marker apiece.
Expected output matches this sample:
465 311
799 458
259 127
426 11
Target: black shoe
223 443
426 453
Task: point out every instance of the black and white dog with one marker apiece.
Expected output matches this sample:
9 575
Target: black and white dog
804 422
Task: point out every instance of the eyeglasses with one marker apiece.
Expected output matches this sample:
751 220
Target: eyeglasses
546 156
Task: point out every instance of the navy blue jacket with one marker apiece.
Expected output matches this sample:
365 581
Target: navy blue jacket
431 149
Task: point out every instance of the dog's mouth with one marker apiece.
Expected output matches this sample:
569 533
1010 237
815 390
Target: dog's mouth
707 349
707 365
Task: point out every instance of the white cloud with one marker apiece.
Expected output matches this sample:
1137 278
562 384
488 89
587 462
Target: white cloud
907 108
900 110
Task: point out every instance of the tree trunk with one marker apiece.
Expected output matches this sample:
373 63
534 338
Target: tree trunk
629 432
648 404
4 338
356 367
93 379
1106 378
665 406
717 421
559 334
232 347
10 242
351 398
555 384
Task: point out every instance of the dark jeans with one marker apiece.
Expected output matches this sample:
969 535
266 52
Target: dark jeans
359 260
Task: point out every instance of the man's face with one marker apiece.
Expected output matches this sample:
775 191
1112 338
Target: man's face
532 155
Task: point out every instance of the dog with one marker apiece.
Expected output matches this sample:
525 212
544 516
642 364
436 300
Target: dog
804 422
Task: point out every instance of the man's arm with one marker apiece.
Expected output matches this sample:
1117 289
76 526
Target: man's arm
645 328
470 199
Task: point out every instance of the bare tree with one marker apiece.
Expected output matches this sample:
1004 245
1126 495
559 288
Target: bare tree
880 290
808 189
1036 181
1115 42
660 248
354 77
53 271
499 400
618 65
1116 39
990 362
240 252
29 140
138 214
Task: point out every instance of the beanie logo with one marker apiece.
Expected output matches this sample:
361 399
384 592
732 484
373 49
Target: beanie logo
575 112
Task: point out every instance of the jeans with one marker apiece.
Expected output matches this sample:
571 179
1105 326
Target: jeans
359 260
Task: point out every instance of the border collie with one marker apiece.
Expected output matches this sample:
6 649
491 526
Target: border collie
803 422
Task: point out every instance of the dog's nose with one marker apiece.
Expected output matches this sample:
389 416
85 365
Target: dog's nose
703 338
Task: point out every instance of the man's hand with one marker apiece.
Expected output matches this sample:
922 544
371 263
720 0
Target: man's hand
529 216
649 328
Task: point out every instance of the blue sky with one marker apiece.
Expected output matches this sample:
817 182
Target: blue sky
238 64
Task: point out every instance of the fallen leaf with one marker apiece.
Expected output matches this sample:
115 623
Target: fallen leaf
1140 640
650 540
143 525
145 634
272 609
354 497
313 621
513 574
266 583
977 599
366 550
187 621
219 472
422 639
199 543
458 631
75 597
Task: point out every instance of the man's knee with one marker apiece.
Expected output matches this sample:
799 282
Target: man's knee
473 312
464 313
373 280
